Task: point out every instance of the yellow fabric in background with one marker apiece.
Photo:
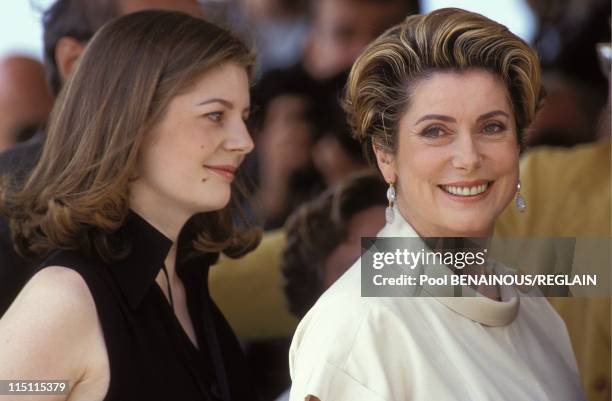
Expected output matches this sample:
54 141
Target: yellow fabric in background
249 291
568 195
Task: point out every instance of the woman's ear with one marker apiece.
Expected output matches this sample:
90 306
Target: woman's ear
386 163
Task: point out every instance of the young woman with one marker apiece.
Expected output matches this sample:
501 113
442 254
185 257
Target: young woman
440 102
143 148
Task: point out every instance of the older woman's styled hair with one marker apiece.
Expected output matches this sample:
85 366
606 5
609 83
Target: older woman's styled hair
77 195
449 39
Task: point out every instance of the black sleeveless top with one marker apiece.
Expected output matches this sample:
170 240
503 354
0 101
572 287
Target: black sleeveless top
151 357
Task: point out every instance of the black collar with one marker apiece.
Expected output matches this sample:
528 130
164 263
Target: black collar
147 250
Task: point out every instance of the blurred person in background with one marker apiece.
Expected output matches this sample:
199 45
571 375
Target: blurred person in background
25 99
568 31
335 154
67 26
304 145
154 142
285 139
339 30
324 239
277 27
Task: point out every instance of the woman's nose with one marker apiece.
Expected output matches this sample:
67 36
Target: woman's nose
239 139
466 155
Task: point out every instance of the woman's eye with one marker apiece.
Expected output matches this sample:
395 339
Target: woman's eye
215 116
432 132
493 128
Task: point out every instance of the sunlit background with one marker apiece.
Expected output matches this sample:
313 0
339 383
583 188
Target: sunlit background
20 28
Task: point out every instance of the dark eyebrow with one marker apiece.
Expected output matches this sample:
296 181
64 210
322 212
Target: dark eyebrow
492 114
227 104
452 120
436 117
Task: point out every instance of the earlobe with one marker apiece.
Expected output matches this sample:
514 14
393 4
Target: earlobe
385 161
67 53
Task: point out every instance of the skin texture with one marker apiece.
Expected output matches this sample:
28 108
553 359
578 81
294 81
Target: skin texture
462 146
25 99
54 318
203 127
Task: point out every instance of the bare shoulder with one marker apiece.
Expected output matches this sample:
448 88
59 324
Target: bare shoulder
61 278
54 319
53 294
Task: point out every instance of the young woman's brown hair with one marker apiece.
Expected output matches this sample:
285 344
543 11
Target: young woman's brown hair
78 193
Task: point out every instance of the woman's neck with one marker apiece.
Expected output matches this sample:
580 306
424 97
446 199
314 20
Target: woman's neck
440 239
428 230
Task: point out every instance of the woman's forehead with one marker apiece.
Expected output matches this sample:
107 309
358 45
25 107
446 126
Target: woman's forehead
465 93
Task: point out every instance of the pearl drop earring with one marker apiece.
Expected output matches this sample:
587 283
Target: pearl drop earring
389 213
521 205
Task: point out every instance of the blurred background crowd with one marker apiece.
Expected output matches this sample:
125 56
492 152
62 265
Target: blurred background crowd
313 191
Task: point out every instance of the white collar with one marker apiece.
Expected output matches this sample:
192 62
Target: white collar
476 307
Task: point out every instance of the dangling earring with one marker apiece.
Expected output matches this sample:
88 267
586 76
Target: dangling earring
521 205
389 213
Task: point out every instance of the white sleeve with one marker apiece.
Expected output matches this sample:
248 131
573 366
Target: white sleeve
329 383
334 355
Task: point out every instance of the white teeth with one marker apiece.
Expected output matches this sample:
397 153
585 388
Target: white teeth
465 191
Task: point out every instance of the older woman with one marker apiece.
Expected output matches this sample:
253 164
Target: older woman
441 103
144 144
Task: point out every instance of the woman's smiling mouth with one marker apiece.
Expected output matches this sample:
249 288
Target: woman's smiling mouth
464 191
225 171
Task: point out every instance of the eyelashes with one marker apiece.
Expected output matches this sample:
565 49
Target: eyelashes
218 116
432 132
494 128
215 116
438 131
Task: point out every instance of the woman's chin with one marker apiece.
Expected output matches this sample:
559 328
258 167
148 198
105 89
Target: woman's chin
211 205
465 225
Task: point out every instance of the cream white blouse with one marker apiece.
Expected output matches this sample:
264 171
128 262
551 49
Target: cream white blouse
352 348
